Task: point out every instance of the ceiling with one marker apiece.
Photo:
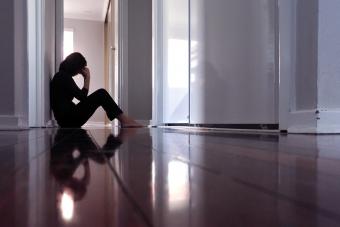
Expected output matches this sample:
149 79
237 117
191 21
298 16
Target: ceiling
85 9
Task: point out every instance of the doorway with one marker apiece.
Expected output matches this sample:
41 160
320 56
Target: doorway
124 83
89 28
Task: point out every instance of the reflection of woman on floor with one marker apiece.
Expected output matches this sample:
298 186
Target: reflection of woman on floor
64 89
72 149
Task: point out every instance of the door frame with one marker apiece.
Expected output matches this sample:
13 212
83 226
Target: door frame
37 80
35 62
118 52
120 12
157 61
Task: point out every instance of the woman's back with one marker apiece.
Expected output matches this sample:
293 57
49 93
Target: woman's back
62 93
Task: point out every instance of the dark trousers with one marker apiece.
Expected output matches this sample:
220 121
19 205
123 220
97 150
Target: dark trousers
86 108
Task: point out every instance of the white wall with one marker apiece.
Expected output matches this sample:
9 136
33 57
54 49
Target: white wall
50 53
306 55
309 90
329 54
41 34
7 58
89 40
287 43
13 65
140 59
21 64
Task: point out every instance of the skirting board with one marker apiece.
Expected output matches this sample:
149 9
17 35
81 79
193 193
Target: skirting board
94 124
230 126
103 125
328 121
144 122
302 121
317 121
9 122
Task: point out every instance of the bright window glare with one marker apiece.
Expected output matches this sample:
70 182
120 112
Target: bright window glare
67 206
178 183
68 43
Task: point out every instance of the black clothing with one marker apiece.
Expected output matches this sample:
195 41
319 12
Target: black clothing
68 114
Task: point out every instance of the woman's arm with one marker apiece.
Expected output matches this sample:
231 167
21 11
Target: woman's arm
82 94
86 74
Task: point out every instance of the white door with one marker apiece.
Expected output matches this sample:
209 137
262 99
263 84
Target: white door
234 77
216 62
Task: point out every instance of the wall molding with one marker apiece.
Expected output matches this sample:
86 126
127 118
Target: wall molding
10 122
145 122
157 62
96 124
303 121
328 121
123 52
315 121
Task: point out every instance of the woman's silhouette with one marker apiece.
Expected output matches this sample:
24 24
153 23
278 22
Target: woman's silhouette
64 89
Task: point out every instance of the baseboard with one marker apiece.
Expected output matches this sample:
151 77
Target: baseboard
302 121
328 121
10 122
316 121
229 126
94 124
144 122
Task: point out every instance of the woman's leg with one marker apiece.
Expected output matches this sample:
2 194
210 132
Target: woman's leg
86 108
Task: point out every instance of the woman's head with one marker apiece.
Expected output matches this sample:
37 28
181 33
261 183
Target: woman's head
73 63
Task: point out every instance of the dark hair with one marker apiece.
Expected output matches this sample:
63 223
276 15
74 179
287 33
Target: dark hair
73 63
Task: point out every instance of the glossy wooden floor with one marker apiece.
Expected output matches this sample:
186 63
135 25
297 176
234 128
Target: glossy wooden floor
168 177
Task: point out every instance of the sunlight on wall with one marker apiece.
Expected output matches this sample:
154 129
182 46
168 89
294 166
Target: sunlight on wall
178 59
68 42
176 81
193 60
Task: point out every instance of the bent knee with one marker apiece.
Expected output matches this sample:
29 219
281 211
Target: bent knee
101 91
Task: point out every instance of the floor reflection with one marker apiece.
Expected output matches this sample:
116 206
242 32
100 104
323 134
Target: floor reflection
71 152
162 177
178 181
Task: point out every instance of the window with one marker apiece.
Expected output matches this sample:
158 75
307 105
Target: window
68 42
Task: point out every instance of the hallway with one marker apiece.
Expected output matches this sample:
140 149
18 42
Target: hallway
168 177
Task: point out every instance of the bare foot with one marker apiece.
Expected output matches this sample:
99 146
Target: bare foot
127 122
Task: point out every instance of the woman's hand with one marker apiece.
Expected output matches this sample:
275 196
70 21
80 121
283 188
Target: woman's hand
85 72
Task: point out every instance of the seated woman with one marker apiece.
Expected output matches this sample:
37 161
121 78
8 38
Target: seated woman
64 89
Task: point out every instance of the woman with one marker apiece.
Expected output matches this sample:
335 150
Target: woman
64 89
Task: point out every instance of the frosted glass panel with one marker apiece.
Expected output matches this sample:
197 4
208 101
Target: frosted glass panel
233 62
175 61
